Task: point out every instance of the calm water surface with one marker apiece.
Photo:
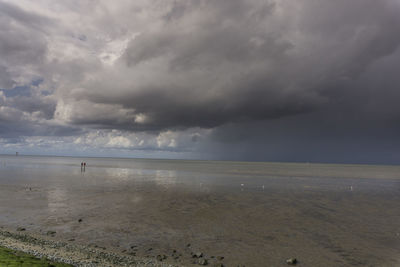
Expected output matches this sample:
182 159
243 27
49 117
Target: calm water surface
257 214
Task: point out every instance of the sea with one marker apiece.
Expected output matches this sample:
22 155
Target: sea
252 213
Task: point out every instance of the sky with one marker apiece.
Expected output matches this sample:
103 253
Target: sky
252 80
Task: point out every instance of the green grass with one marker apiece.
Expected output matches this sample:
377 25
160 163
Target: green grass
11 258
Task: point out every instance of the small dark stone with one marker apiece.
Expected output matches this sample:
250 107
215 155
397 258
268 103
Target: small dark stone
203 262
291 261
150 249
52 233
80 220
198 254
161 257
188 245
220 258
21 229
72 239
174 251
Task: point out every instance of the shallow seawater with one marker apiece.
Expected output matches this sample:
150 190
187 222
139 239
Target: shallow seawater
255 214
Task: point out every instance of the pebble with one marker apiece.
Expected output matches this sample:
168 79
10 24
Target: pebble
203 262
291 261
95 256
21 229
161 257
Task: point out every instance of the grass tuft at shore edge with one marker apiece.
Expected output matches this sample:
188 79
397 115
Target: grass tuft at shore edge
9 257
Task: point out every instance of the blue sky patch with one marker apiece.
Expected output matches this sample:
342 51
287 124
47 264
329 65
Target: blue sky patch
17 91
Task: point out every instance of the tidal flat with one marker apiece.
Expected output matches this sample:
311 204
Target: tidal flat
233 213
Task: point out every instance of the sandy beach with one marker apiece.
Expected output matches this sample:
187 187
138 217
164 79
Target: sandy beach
235 215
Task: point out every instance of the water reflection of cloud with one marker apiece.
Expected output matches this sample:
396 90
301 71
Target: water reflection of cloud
160 177
165 177
121 174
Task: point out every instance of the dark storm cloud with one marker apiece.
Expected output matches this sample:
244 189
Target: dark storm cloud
13 129
232 77
217 62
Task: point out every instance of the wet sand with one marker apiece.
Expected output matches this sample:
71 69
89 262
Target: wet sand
251 214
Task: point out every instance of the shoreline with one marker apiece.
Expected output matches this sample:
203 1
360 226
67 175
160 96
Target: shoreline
151 212
73 254
271 162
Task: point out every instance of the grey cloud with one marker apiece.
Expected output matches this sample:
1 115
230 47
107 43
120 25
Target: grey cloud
12 127
16 122
292 71
323 137
6 80
23 45
216 62
29 19
21 35
223 53
25 111
44 105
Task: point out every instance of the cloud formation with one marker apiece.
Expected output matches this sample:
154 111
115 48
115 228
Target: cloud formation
167 72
